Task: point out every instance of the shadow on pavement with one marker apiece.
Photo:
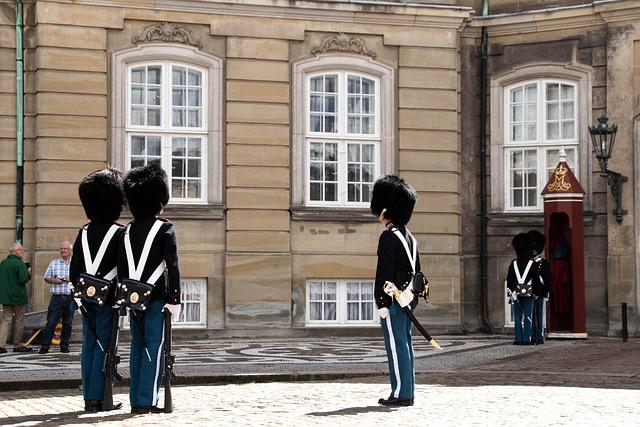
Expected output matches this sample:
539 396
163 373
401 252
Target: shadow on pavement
66 418
352 411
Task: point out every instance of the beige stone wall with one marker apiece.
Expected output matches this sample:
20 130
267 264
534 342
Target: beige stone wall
256 259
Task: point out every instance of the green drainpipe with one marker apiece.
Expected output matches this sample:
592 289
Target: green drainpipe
19 124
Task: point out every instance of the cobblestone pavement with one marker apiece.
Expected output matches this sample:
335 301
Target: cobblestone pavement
476 381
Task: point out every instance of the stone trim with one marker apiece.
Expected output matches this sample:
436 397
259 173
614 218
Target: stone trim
165 32
304 213
118 112
579 74
344 43
298 136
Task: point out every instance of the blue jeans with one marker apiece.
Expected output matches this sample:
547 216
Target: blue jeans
59 308
522 311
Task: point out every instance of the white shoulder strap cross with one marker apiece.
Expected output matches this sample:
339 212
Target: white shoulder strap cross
412 258
136 273
92 266
521 278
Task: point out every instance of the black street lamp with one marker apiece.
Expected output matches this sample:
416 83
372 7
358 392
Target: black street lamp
603 136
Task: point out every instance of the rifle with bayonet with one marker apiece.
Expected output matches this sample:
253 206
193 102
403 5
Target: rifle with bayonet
110 366
169 360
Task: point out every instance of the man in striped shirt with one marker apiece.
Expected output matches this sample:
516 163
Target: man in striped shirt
57 275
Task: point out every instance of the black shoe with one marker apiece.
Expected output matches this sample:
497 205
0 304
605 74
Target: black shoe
146 410
3 350
92 405
22 349
43 350
116 406
392 401
64 349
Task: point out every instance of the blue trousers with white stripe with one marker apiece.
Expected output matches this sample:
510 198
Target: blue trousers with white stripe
92 359
146 370
397 341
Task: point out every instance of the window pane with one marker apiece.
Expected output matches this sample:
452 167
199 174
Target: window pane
138 75
331 172
353 151
315 191
516 134
367 125
195 99
195 78
531 93
330 124
532 113
567 110
517 198
194 118
353 291
137 95
177 167
330 83
353 193
568 129
178 76
553 130
154 161
137 145
153 117
331 152
531 132
353 174
177 188
330 192
532 196
194 147
315 123
516 113
367 153
553 92
553 111
330 290
568 92
366 192
330 104
178 97
353 104
193 168
315 291
330 311
178 146
178 118
316 84
316 151
517 181
315 103
516 95
315 172
353 85
153 75
136 162
367 104
367 311
353 311
153 96
353 124
137 116
153 145
315 311
368 86
516 159
532 159
193 189
367 291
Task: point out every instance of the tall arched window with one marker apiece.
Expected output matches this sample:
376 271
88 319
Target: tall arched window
343 133
167 110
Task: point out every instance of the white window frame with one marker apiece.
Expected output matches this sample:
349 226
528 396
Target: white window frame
384 135
541 144
341 305
577 74
212 107
202 324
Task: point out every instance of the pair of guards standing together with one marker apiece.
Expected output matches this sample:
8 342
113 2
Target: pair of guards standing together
145 250
116 251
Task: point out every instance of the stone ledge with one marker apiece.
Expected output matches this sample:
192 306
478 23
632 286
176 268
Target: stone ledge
305 213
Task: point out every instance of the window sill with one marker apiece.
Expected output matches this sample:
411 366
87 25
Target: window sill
306 213
530 219
186 212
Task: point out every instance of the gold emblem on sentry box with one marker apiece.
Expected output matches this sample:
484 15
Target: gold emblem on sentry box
134 297
91 291
558 184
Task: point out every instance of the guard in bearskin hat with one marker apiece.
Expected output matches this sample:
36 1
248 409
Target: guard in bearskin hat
392 202
150 281
95 257
521 279
542 288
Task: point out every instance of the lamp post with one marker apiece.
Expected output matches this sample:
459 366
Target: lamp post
603 136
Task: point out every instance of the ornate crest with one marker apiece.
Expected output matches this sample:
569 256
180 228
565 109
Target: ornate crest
558 184
343 43
165 32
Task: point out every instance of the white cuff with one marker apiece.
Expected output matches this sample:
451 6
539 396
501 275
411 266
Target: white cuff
383 312
174 309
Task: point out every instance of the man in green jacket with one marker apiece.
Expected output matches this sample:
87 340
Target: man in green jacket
14 275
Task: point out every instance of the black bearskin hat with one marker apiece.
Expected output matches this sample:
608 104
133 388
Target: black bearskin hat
101 195
523 245
396 196
538 240
146 190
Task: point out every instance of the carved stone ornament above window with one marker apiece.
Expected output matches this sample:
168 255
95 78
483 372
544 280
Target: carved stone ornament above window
343 43
165 32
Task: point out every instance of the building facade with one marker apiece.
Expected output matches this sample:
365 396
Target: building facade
274 118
